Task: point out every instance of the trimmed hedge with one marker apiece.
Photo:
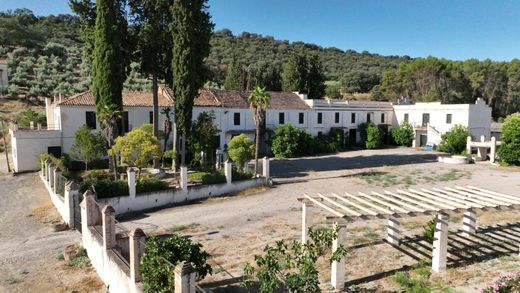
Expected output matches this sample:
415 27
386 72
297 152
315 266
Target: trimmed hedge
105 188
290 142
150 185
237 175
207 177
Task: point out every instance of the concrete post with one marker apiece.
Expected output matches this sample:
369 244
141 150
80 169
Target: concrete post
493 150
393 232
440 243
469 223
306 221
337 278
57 178
184 178
109 227
51 176
48 172
38 126
184 278
265 167
71 191
89 203
136 248
468 145
228 167
131 182
45 170
31 125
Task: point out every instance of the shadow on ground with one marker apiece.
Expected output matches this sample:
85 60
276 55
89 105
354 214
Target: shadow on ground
302 167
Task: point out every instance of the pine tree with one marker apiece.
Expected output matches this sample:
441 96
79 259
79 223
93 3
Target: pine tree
235 76
191 35
315 81
294 74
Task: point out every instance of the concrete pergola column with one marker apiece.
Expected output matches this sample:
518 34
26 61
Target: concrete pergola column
306 221
469 223
440 243
109 227
136 249
337 278
393 232
184 278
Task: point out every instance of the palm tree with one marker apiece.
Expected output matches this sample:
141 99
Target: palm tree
258 102
108 116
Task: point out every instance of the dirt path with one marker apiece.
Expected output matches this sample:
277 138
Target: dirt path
28 246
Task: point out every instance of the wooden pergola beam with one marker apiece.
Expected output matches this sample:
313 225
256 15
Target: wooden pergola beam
434 203
398 201
346 209
389 205
356 205
439 198
325 207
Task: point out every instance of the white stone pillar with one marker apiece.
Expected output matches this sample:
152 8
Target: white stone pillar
131 182
184 178
393 232
228 167
440 243
45 171
136 236
71 191
468 145
51 176
38 126
493 150
57 179
109 227
306 221
31 125
469 223
337 278
91 216
184 278
265 167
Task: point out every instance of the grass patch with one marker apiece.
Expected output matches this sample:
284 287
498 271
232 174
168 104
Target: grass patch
183 227
413 177
79 262
367 236
12 280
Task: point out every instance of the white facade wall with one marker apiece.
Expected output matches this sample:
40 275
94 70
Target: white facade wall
27 145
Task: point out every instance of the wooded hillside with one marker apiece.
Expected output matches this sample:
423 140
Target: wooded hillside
45 59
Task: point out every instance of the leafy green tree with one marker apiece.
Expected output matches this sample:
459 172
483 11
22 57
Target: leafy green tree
203 132
241 150
292 267
26 116
454 141
315 79
294 75
258 101
235 77
137 148
162 256
191 35
152 21
509 151
333 90
403 134
88 146
370 135
289 141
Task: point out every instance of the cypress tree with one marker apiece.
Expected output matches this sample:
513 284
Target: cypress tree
315 81
108 64
191 35
235 77
295 74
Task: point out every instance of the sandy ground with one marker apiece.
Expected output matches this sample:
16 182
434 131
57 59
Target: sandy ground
233 229
28 245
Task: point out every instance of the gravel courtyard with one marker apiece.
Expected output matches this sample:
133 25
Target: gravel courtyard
233 229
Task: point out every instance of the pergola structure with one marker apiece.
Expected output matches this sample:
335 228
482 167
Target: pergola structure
404 203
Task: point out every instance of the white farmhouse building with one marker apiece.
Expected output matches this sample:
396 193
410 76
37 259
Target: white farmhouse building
233 117
3 75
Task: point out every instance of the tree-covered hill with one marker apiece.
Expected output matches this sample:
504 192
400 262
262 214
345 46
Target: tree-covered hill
46 58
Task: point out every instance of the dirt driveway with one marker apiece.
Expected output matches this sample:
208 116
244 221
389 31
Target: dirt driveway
29 248
233 229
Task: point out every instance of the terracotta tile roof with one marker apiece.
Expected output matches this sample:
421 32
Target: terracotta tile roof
130 99
206 98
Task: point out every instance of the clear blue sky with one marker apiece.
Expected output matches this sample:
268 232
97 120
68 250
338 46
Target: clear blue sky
458 29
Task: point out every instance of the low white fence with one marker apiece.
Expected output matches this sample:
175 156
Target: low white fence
138 202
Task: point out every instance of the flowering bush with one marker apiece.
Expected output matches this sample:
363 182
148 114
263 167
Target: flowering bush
504 284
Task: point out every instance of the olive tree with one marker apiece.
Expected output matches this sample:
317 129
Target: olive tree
88 146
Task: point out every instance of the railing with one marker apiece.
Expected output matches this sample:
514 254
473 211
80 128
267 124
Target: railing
34 127
60 184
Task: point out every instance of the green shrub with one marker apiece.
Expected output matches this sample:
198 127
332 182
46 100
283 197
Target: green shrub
454 141
509 151
373 136
238 175
287 141
25 117
429 230
105 188
162 255
207 177
403 135
150 185
241 149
